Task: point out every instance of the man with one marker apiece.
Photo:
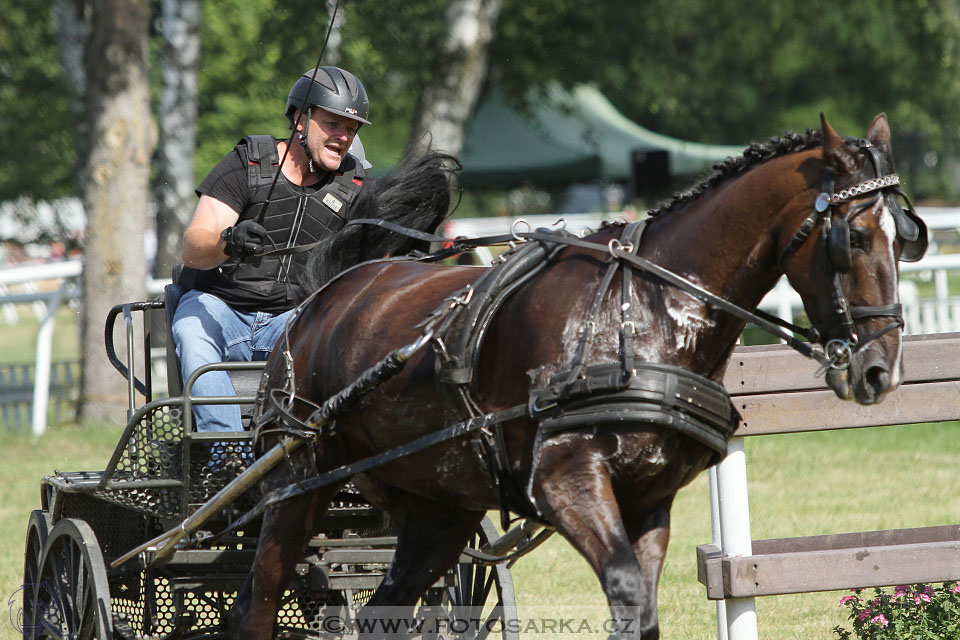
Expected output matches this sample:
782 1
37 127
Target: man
239 302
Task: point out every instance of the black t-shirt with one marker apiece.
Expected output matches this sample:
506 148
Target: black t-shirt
228 183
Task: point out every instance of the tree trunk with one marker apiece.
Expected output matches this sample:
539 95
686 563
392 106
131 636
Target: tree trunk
447 102
178 126
115 190
332 53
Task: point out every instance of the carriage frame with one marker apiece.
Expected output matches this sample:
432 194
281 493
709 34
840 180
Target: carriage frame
160 472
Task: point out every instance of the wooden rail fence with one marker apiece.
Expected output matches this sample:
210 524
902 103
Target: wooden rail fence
776 392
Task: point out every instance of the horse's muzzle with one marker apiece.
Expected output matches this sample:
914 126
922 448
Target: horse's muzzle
867 380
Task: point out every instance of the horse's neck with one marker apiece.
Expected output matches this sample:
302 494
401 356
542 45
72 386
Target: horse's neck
725 241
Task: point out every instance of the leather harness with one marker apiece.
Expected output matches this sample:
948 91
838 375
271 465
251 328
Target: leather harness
613 394
585 395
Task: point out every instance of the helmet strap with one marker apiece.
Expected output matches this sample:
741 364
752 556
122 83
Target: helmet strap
302 137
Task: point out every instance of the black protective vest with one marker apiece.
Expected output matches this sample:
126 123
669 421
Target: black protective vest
294 216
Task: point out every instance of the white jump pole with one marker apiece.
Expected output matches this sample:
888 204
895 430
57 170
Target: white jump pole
735 538
41 371
716 539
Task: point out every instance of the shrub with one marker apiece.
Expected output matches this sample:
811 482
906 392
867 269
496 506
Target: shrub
917 611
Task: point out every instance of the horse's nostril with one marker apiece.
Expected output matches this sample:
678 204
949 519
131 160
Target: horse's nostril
878 378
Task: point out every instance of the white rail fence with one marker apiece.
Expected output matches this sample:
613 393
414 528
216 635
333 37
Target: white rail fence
42 288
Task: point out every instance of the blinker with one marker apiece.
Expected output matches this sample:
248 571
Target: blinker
911 230
838 246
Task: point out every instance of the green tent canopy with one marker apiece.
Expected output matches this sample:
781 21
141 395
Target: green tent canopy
571 137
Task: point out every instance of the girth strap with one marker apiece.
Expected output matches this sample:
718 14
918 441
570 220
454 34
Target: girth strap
657 394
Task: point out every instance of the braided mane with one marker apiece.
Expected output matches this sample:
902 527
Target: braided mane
756 153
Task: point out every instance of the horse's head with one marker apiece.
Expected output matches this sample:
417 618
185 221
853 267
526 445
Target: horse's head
843 261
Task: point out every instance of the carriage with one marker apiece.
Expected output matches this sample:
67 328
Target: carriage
161 471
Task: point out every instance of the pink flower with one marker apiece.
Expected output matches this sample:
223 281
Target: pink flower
845 599
921 596
900 591
863 615
955 588
880 619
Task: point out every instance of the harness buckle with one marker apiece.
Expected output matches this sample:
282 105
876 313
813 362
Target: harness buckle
515 233
615 245
462 298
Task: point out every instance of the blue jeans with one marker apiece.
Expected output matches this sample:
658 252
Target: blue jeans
205 330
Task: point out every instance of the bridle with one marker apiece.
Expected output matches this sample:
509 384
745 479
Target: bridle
835 234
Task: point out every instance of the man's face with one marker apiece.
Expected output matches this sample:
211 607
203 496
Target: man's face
329 138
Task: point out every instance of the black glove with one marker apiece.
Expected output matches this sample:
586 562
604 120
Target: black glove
244 240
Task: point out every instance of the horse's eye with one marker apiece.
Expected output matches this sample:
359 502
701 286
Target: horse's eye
857 241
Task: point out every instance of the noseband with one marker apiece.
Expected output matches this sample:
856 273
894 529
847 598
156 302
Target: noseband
835 234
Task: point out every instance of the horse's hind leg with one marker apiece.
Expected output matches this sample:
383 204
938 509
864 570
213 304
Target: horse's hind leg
428 543
576 495
286 531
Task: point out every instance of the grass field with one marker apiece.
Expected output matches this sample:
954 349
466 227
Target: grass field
801 484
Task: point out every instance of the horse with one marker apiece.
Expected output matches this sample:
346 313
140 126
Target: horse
821 208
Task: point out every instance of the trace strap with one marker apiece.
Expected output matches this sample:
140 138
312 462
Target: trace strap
349 470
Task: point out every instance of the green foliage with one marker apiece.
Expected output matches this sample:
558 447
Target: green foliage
704 71
37 116
920 611
715 72
240 91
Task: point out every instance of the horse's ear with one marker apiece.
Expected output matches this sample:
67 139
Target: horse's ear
835 151
879 131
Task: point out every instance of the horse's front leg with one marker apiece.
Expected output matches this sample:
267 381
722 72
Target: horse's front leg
650 537
574 491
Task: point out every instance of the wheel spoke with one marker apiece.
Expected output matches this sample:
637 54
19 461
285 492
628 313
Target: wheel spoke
488 622
482 582
55 580
465 583
74 595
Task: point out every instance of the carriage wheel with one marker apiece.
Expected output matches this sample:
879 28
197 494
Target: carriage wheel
38 530
73 599
481 601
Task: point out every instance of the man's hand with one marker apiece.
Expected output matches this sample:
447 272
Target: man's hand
244 240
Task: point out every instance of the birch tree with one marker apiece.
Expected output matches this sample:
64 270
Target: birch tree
447 101
177 119
336 33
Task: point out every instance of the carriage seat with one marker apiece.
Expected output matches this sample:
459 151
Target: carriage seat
245 382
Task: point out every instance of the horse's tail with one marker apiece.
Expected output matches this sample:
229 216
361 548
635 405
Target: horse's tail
415 195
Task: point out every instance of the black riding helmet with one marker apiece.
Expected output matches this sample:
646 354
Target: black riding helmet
332 89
